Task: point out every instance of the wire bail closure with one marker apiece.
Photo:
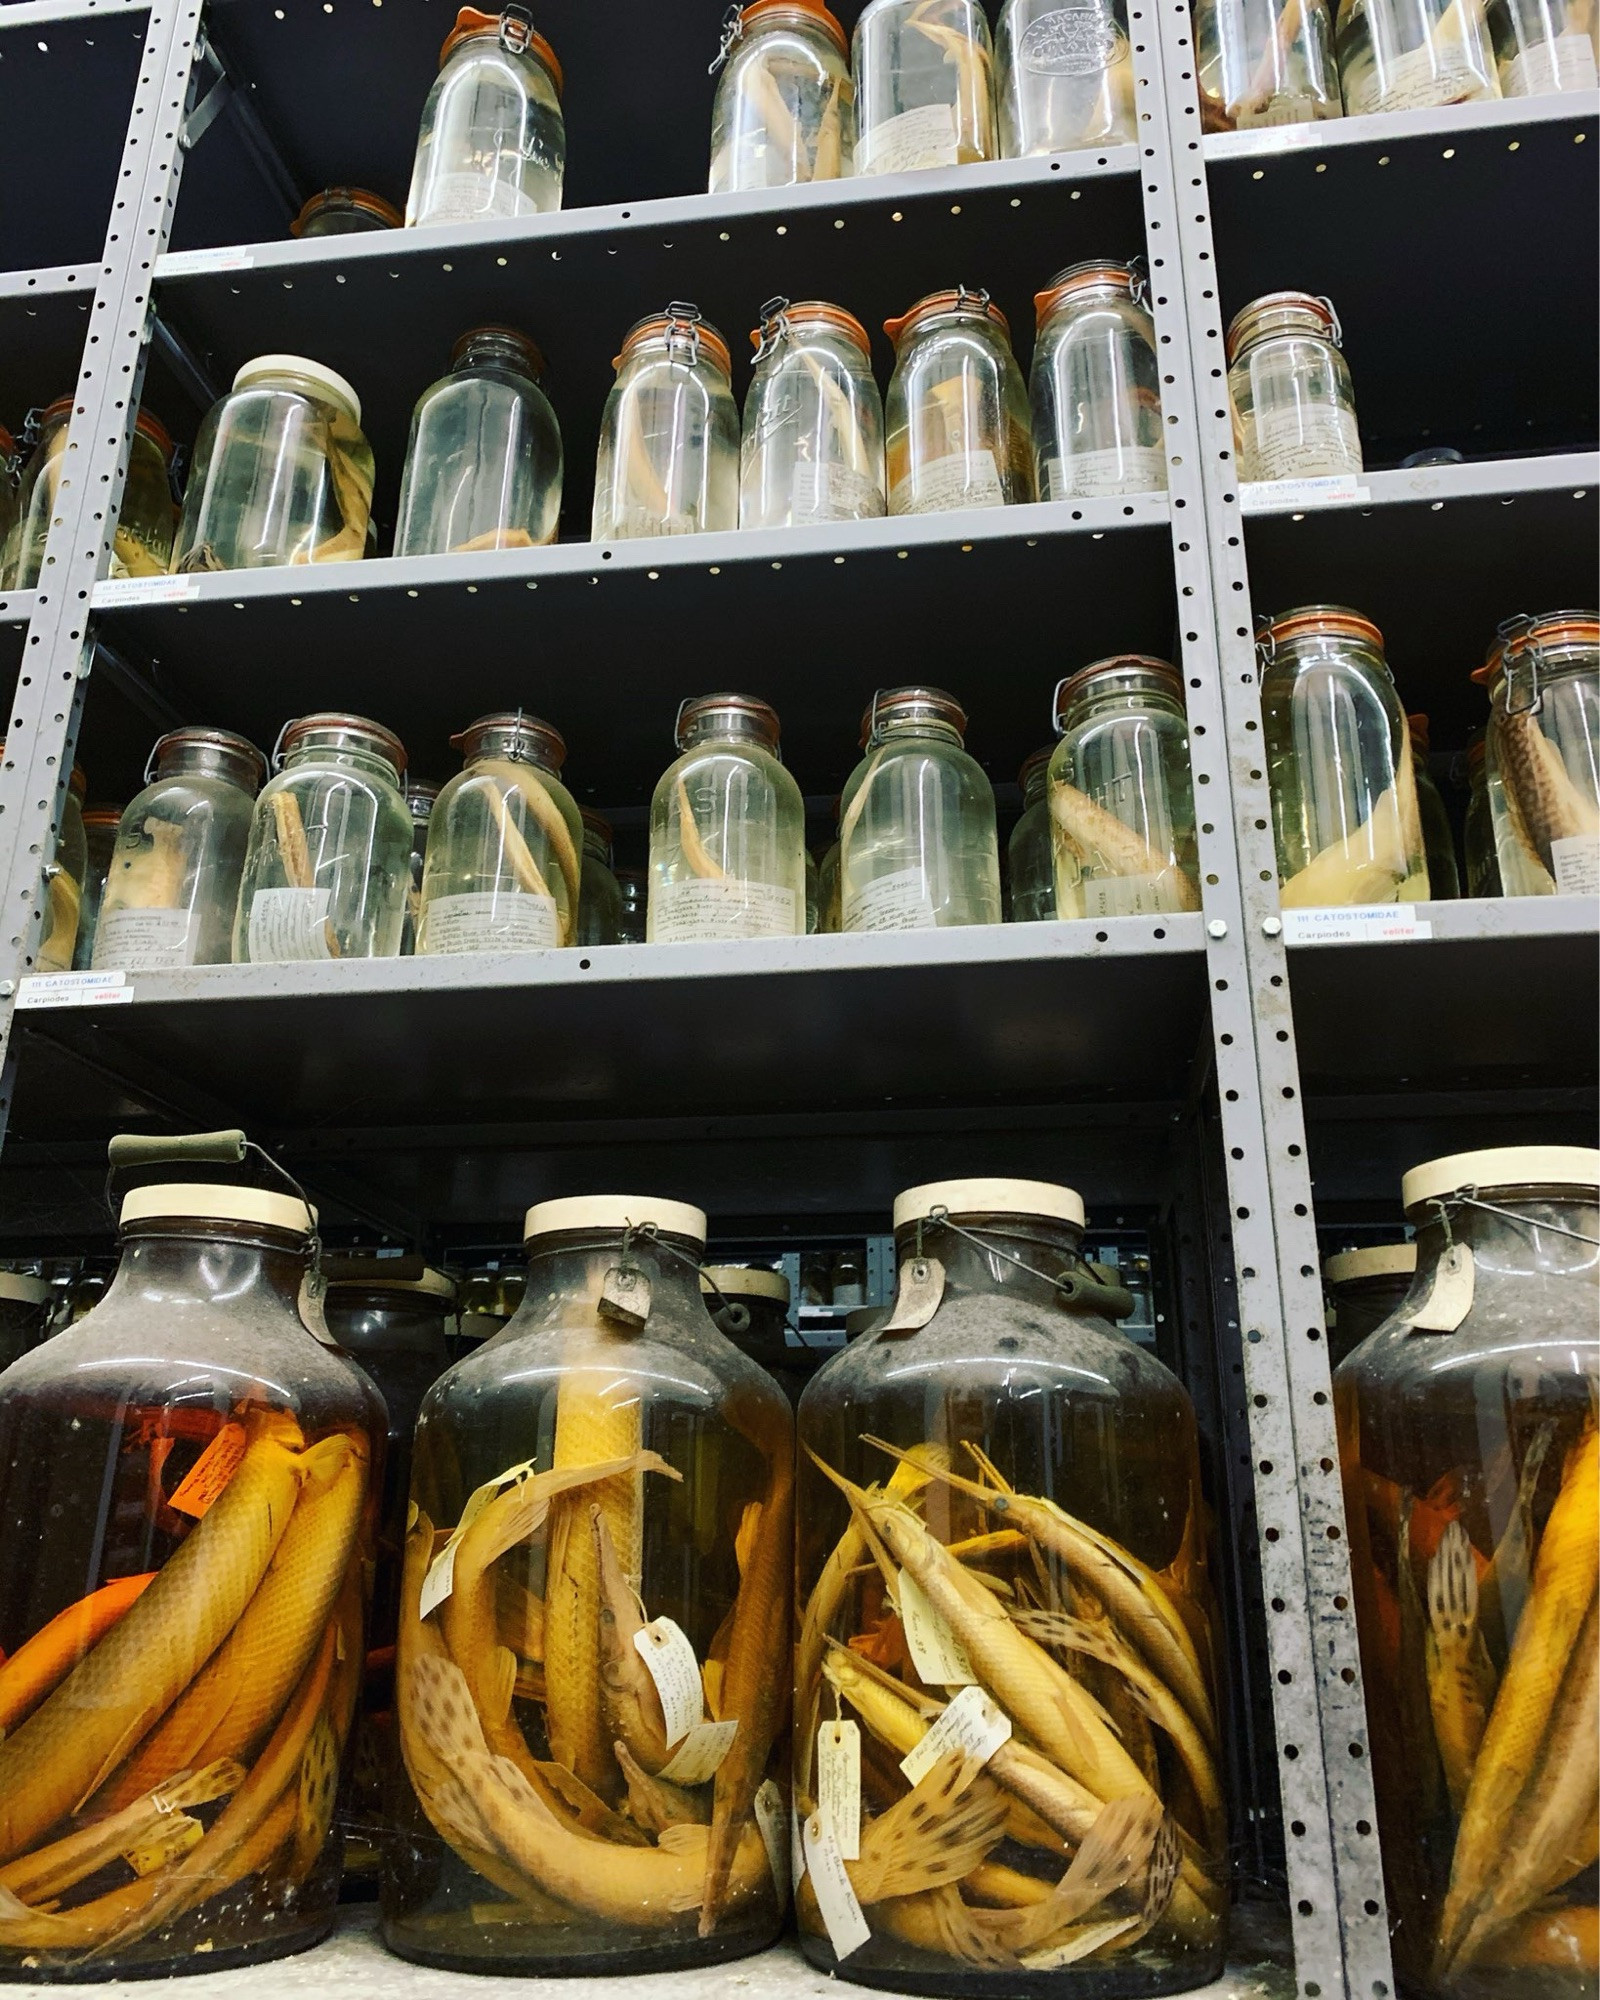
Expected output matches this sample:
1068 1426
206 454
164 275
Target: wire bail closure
1116 1301
774 322
732 33
1468 1197
516 30
683 319
1522 650
1336 331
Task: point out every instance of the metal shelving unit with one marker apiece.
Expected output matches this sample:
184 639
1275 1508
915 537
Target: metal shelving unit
1232 1088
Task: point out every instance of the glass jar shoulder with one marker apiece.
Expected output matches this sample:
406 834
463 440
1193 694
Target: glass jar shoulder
800 52
744 775
944 353
343 781
910 766
482 77
193 800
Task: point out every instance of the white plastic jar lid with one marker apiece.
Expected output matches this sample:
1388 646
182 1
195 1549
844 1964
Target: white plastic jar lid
614 1211
27 1291
337 388
201 1201
434 1283
1502 1167
990 1197
745 1281
1376 1260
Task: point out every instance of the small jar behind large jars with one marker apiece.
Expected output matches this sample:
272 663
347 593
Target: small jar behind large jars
1477 832
1438 836
917 840
64 877
281 473
24 1314
345 211
924 73
979 1471
483 465
727 829
1345 819
957 409
100 825
1468 1447
1543 677
1362 1288
173 887
668 462
492 142
9 461
329 858
599 895
599 1666
1030 862
1063 77
1409 55
421 797
1542 49
503 870
1265 62
1095 385
184 1492
1294 412
141 544
1121 800
785 105
812 447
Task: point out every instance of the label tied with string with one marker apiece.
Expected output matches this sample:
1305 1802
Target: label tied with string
918 1292
971 1724
626 1295
1450 1299
667 1651
848 1930
839 1784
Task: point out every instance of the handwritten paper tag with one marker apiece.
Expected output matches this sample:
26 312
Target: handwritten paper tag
839 1784
202 1484
701 1751
848 1930
937 1654
972 1724
440 1580
666 1651
1450 1298
918 1292
773 1822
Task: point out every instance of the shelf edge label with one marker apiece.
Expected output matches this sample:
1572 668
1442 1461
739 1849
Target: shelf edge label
117 593
1286 496
1373 924
73 989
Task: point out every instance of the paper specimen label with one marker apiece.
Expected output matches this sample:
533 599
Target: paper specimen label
489 920
848 1930
1300 443
1450 1298
1577 864
667 1651
146 940
701 1751
1086 475
839 1784
894 902
289 924
971 1724
925 137
203 1483
704 911
937 1654
959 479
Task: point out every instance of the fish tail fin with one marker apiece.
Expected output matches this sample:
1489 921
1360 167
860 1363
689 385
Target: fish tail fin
1453 1585
720 1850
938 1833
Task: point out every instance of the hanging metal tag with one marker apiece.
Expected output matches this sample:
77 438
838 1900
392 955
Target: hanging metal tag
917 1295
625 1295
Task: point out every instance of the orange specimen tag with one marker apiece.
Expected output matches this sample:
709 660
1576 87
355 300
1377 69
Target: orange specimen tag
203 1483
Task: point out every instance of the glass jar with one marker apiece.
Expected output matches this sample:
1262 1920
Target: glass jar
668 462
761 1330
828 914
345 211
100 825
599 896
924 74
1409 55
812 879
997 1432
1438 837
488 1296
24 1304
1543 677
1030 862
421 798
493 143
503 871
183 1526
326 870
142 542
9 463
593 1641
1541 49
1265 62
64 877
173 889
917 839
1095 385
1361 1288
1121 801
1294 412
785 105
957 409
1468 1447
281 473
1477 834
483 465
812 448
727 829
1345 818
1063 76
635 886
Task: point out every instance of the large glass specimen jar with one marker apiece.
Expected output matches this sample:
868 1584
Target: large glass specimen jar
668 462
812 447
281 473
1409 55
503 870
1361 1288
329 857
1095 385
917 841
1063 76
1030 861
727 829
1543 46
183 1525
1345 818
1294 411
594 1627
785 105
1265 62
599 893
956 414
1438 836
64 877
1468 1444
100 824
1001 1519
483 465
1121 801
924 72
1543 763
141 544
492 142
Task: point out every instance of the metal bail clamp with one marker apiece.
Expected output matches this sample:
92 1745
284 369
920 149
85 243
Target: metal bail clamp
516 29
732 33
683 319
774 322
1518 655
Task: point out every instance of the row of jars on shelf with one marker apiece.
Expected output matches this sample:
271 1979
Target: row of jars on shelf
604 1570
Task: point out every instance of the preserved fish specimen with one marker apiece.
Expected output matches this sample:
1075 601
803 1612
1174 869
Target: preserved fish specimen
924 76
100 825
1407 55
1294 413
1063 76
1030 861
812 448
1543 760
956 413
668 462
63 881
1265 62
785 106
492 141
142 542
1095 385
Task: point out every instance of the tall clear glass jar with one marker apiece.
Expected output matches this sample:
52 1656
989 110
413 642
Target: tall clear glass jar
727 829
1477 834
812 447
483 464
917 841
493 142
1121 801
1345 818
1542 47
64 877
1409 55
976 1470
668 462
1438 836
1543 677
173 889
9 463
421 797
1030 861
1361 1289
281 473
599 895
345 211
184 1495
329 858
957 409
635 886
141 543
1063 76
593 1666
785 106
1265 62
1468 1446
1095 385
924 72
503 870
1294 411
100 825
